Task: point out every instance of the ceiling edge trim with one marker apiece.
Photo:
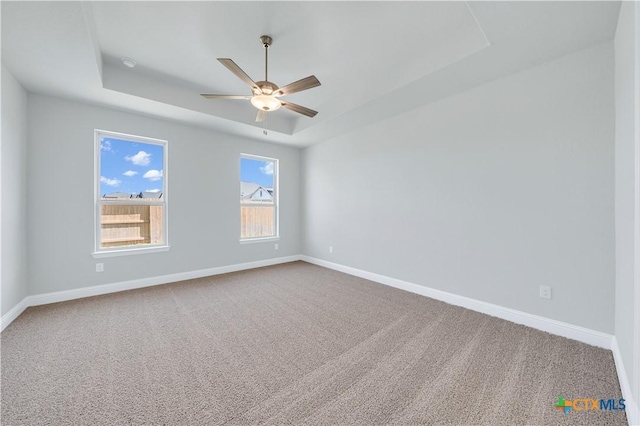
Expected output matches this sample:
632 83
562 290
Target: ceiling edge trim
90 24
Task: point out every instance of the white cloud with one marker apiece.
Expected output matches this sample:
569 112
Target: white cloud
153 175
109 182
267 169
105 145
152 190
140 159
130 173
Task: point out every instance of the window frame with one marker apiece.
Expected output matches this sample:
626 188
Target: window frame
276 198
98 202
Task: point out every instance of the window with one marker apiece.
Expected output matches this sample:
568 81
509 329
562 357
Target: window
131 194
258 198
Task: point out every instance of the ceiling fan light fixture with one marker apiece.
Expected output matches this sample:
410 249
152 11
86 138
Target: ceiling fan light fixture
265 102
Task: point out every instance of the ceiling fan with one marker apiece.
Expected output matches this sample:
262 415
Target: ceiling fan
265 93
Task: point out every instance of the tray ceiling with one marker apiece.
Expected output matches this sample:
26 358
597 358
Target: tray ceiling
374 59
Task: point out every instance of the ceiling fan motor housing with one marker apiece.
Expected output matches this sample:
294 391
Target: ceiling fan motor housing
263 99
266 88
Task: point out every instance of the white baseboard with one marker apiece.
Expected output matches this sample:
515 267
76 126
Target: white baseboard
571 331
585 335
633 416
61 296
13 313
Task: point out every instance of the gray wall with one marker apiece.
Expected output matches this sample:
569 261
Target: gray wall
487 194
625 189
13 275
204 218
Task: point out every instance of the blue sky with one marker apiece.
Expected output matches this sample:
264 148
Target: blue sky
130 167
260 172
134 167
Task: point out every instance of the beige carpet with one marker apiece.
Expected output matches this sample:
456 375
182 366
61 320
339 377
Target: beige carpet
290 344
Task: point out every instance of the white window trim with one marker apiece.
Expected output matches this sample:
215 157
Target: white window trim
130 251
258 240
276 198
97 201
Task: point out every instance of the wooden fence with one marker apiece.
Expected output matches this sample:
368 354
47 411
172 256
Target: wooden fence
125 225
130 225
257 221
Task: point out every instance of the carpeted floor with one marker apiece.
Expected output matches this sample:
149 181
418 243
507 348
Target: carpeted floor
290 344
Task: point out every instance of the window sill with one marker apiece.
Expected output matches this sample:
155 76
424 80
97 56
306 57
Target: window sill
258 240
129 252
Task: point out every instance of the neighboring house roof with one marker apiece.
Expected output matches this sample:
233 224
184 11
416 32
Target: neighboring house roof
150 195
247 189
144 194
253 191
118 195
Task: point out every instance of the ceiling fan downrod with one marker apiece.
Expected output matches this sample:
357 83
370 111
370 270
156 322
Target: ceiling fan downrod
266 42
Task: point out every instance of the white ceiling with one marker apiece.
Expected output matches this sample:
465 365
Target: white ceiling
374 59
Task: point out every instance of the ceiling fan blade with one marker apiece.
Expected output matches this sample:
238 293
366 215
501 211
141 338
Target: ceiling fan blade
298 86
210 96
299 109
262 115
234 68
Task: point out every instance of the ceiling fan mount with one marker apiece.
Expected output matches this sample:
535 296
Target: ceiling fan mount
266 40
266 94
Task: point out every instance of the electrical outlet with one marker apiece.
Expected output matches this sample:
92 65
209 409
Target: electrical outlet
99 267
330 249
545 292
276 246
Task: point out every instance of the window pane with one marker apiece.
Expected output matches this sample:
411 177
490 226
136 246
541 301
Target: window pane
130 169
257 197
131 197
